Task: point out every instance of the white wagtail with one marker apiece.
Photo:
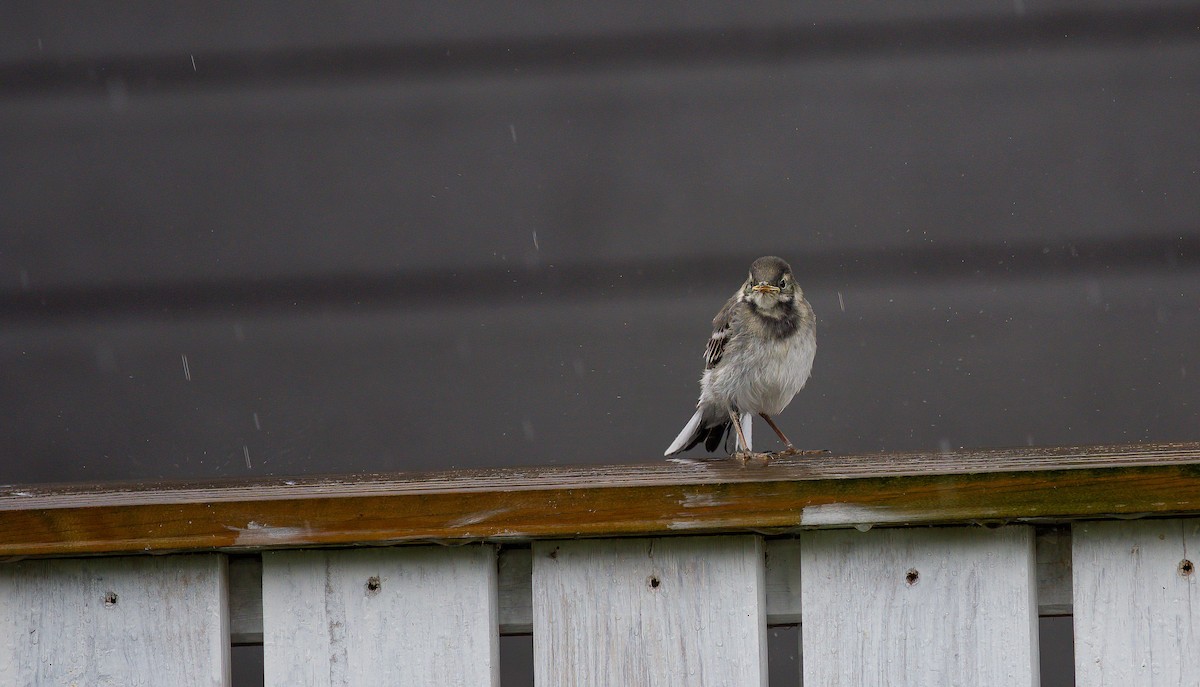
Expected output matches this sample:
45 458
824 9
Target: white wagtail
760 354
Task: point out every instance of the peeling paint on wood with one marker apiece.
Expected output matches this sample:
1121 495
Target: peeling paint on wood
1137 603
1013 485
650 612
113 622
928 606
515 593
395 616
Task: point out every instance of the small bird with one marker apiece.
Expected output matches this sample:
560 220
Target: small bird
760 354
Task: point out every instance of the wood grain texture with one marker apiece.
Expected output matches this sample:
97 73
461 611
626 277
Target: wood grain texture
1137 610
650 612
115 622
680 497
515 591
398 616
943 606
782 586
611 500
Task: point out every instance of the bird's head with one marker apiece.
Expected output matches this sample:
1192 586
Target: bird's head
770 283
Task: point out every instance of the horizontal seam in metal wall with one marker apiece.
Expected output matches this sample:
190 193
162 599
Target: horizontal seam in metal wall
579 53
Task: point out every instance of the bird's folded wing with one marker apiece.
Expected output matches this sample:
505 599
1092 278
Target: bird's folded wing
716 343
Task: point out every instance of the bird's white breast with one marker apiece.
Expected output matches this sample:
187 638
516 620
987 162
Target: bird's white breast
761 378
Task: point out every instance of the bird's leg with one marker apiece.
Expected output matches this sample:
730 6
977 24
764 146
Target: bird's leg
790 449
743 452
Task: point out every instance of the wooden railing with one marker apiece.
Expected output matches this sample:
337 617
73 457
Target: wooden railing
905 569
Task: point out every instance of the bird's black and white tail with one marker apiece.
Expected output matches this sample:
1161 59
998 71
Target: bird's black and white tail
697 430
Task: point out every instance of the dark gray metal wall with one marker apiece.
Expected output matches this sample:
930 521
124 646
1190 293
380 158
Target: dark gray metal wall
406 236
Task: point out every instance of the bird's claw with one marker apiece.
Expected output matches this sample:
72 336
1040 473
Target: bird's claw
793 451
748 456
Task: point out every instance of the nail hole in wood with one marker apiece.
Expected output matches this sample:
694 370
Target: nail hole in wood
1186 568
110 598
373 584
653 581
912 576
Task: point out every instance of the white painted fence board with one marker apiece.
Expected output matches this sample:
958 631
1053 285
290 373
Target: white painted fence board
650 612
120 622
782 586
430 620
1137 610
515 593
936 606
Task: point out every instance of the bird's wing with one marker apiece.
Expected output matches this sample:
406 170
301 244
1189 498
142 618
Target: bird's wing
716 343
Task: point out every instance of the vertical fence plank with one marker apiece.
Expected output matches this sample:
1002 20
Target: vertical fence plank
1136 602
650 612
394 616
136 620
941 606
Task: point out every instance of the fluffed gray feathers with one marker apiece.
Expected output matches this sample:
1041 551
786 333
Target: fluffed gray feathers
759 356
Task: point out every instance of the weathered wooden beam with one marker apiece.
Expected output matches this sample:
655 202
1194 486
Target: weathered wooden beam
1041 485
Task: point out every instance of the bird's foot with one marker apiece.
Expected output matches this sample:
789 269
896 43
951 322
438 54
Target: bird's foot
746 457
793 451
